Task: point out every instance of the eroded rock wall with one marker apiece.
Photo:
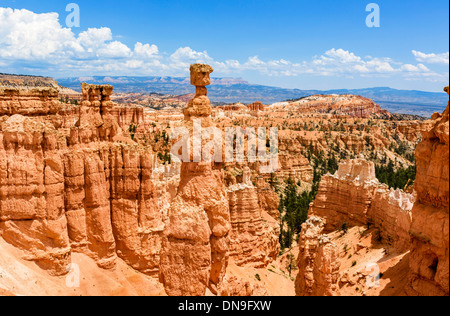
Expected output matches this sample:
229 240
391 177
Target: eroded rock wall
429 263
32 212
254 235
318 262
71 181
354 197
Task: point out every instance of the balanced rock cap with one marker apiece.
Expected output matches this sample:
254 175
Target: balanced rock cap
200 75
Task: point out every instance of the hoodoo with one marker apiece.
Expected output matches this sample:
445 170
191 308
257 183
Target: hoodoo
194 252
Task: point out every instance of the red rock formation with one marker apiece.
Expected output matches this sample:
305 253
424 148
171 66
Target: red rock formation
346 196
36 101
317 261
429 263
354 197
295 167
232 286
253 238
233 107
390 212
345 105
32 192
256 106
70 181
411 130
194 252
268 199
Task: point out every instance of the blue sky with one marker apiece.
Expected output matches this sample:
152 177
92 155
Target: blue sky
321 44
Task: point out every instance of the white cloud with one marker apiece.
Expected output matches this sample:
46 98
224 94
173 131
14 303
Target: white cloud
26 35
31 37
412 68
94 38
145 51
432 58
341 55
114 50
134 64
184 56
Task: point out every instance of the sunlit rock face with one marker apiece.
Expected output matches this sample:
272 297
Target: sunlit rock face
71 181
317 261
429 264
194 253
354 197
254 234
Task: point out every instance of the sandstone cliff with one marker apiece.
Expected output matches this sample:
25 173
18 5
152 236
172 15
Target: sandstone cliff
71 182
353 201
429 264
354 197
317 261
254 234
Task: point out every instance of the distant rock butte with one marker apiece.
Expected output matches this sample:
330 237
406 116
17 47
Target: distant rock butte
340 105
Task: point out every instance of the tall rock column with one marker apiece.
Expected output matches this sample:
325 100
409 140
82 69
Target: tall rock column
194 253
317 261
87 196
429 263
253 238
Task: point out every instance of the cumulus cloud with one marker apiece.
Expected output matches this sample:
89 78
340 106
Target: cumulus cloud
412 68
39 40
184 56
31 37
26 35
145 51
432 58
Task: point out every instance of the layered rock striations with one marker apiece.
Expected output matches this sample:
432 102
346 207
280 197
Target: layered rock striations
194 253
71 181
355 197
390 212
429 263
345 197
254 235
32 212
341 105
23 101
317 261
351 197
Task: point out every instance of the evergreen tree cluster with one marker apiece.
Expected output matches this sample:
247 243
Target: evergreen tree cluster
397 179
294 207
294 212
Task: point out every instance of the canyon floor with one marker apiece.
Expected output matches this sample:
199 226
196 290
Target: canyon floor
19 277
